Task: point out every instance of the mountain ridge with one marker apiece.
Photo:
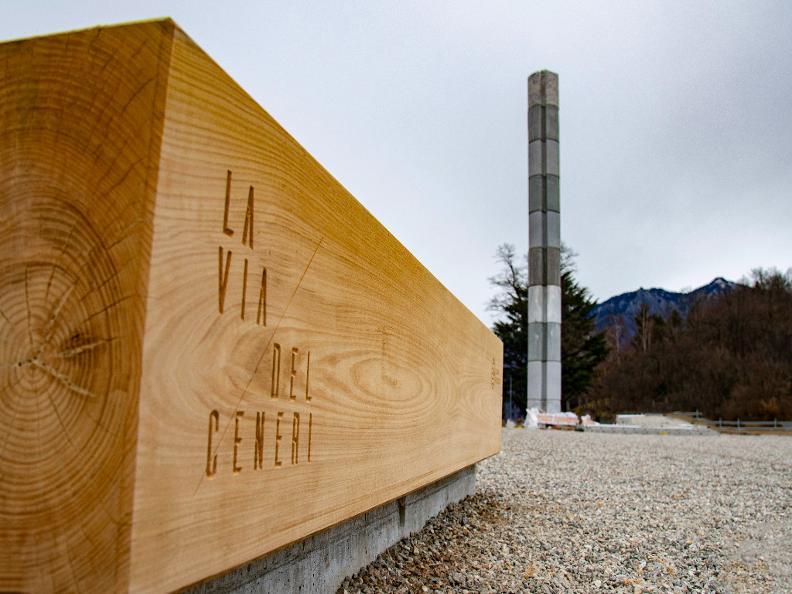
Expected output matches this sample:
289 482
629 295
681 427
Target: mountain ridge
620 310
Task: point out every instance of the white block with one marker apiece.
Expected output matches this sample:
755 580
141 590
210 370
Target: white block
552 304
536 304
536 341
553 386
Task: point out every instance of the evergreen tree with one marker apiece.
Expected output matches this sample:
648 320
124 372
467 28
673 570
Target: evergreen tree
582 348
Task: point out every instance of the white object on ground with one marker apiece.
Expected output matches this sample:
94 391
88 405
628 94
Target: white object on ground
567 419
532 418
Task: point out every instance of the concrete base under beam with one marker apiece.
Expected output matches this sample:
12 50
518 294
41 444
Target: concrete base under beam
320 562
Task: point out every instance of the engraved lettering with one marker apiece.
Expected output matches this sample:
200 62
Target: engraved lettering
276 352
299 428
261 316
277 438
307 376
247 230
211 461
310 428
295 444
226 229
222 279
258 455
293 374
244 287
237 439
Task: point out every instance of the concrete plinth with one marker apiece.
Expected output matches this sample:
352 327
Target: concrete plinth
320 562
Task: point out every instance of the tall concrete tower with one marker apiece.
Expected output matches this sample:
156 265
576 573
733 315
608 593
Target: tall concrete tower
544 241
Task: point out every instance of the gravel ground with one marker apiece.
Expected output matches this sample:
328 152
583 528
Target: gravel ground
563 511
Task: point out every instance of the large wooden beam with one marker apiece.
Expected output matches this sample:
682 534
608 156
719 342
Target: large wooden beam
209 348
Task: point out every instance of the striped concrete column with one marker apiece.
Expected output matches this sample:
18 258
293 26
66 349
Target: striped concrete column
544 240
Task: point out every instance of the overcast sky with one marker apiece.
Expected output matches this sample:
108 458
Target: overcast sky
676 121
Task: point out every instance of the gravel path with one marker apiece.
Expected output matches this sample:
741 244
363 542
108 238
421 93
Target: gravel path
563 511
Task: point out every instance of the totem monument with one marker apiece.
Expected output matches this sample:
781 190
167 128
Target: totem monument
544 241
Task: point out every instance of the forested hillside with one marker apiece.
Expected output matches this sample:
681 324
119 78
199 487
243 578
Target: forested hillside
731 357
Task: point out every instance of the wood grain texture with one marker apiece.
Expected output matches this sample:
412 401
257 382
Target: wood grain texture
79 141
281 364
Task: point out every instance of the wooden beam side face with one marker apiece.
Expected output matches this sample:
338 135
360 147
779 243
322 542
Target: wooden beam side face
80 122
300 365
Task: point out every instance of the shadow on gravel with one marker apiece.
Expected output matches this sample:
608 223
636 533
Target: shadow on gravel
441 556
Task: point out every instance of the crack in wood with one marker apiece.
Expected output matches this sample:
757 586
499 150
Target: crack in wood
73 352
63 379
53 319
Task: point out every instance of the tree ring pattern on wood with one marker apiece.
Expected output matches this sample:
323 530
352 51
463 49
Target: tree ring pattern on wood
59 297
